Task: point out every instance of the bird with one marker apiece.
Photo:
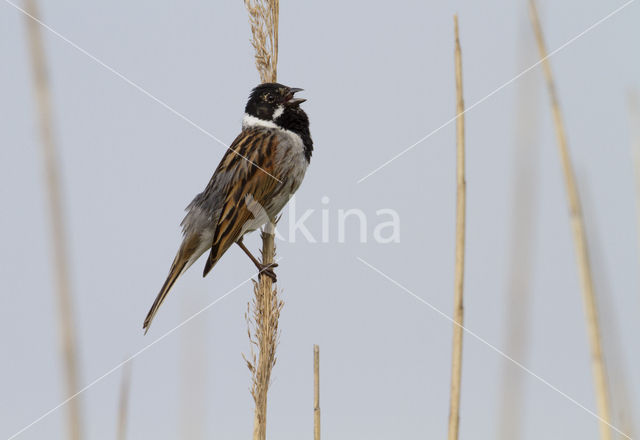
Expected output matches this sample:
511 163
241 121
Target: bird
258 174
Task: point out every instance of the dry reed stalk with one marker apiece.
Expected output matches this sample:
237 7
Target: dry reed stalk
194 371
316 392
458 310
634 120
579 238
262 318
266 305
518 300
60 262
123 406
622 404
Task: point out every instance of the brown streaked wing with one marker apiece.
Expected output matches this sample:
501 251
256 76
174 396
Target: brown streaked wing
259 148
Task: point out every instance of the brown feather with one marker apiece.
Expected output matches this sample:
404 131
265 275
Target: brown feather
250 164
249 182
185 252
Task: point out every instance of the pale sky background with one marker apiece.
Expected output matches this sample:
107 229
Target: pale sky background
378 76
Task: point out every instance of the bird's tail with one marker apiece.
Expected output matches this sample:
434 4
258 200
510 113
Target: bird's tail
177 267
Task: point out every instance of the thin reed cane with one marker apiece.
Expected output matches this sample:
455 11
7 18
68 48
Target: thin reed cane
194 374
458 308
622 404
67 341
123 405
634 121
579 238
521 250
316 392
264 310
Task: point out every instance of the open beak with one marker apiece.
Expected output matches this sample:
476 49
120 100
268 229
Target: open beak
290 100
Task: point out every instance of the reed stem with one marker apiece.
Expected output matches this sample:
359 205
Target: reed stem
123 406
316 392
266 305
521 250
59 254
458 307
579 238
634 121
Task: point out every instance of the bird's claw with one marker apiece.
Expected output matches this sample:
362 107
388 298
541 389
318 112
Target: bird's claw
267 269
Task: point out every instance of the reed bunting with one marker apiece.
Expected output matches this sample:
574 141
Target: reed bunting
258 174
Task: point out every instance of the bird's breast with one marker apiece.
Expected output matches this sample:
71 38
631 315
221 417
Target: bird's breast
291 166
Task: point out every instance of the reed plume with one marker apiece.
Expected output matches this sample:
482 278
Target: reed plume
458 310
263 18
263 313
264 310
579 238
59 254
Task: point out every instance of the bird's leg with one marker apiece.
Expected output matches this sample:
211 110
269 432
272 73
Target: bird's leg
266 269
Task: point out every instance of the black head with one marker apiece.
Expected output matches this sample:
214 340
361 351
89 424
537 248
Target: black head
268 101
276 103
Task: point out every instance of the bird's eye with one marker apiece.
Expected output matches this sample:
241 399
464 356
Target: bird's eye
270 98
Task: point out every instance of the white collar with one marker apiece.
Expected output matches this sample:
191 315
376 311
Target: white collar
249 121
